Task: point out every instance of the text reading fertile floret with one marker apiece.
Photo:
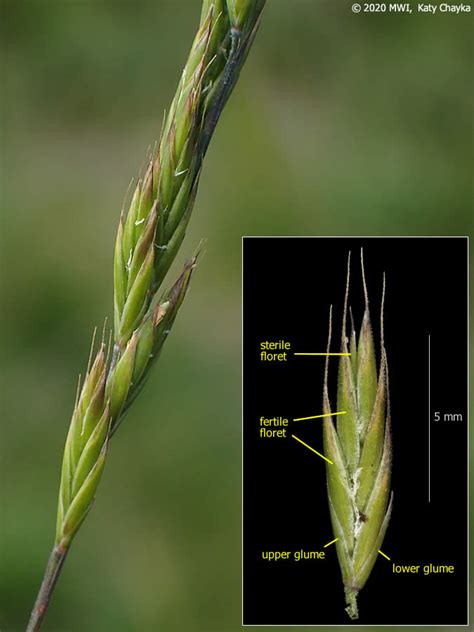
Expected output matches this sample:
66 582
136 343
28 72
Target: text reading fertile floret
274 427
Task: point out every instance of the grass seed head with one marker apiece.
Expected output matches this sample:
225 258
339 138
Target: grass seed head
148 238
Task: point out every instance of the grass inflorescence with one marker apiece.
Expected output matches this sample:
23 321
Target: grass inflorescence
149 236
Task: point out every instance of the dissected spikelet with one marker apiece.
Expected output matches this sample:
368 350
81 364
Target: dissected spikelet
360 446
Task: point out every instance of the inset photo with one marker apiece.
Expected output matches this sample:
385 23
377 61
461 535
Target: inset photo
355 431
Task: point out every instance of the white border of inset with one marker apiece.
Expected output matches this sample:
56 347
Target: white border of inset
352 625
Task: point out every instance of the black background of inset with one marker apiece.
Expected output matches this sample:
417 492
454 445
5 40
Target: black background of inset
288 286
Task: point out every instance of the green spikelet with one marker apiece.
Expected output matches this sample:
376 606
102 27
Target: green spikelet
84 452
128 376
360 446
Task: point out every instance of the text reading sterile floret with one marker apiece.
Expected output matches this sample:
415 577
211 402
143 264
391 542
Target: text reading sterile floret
274 350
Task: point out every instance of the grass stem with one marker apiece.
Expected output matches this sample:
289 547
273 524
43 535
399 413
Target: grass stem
51 575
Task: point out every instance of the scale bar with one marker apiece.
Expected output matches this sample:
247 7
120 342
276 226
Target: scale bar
429 418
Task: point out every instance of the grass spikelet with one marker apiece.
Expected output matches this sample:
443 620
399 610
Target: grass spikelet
359 444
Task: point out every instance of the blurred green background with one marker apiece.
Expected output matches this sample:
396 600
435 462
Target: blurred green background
340 124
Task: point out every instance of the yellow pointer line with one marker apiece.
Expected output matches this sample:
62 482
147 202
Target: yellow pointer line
332 542
381 553
343 412
312 449
324 354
